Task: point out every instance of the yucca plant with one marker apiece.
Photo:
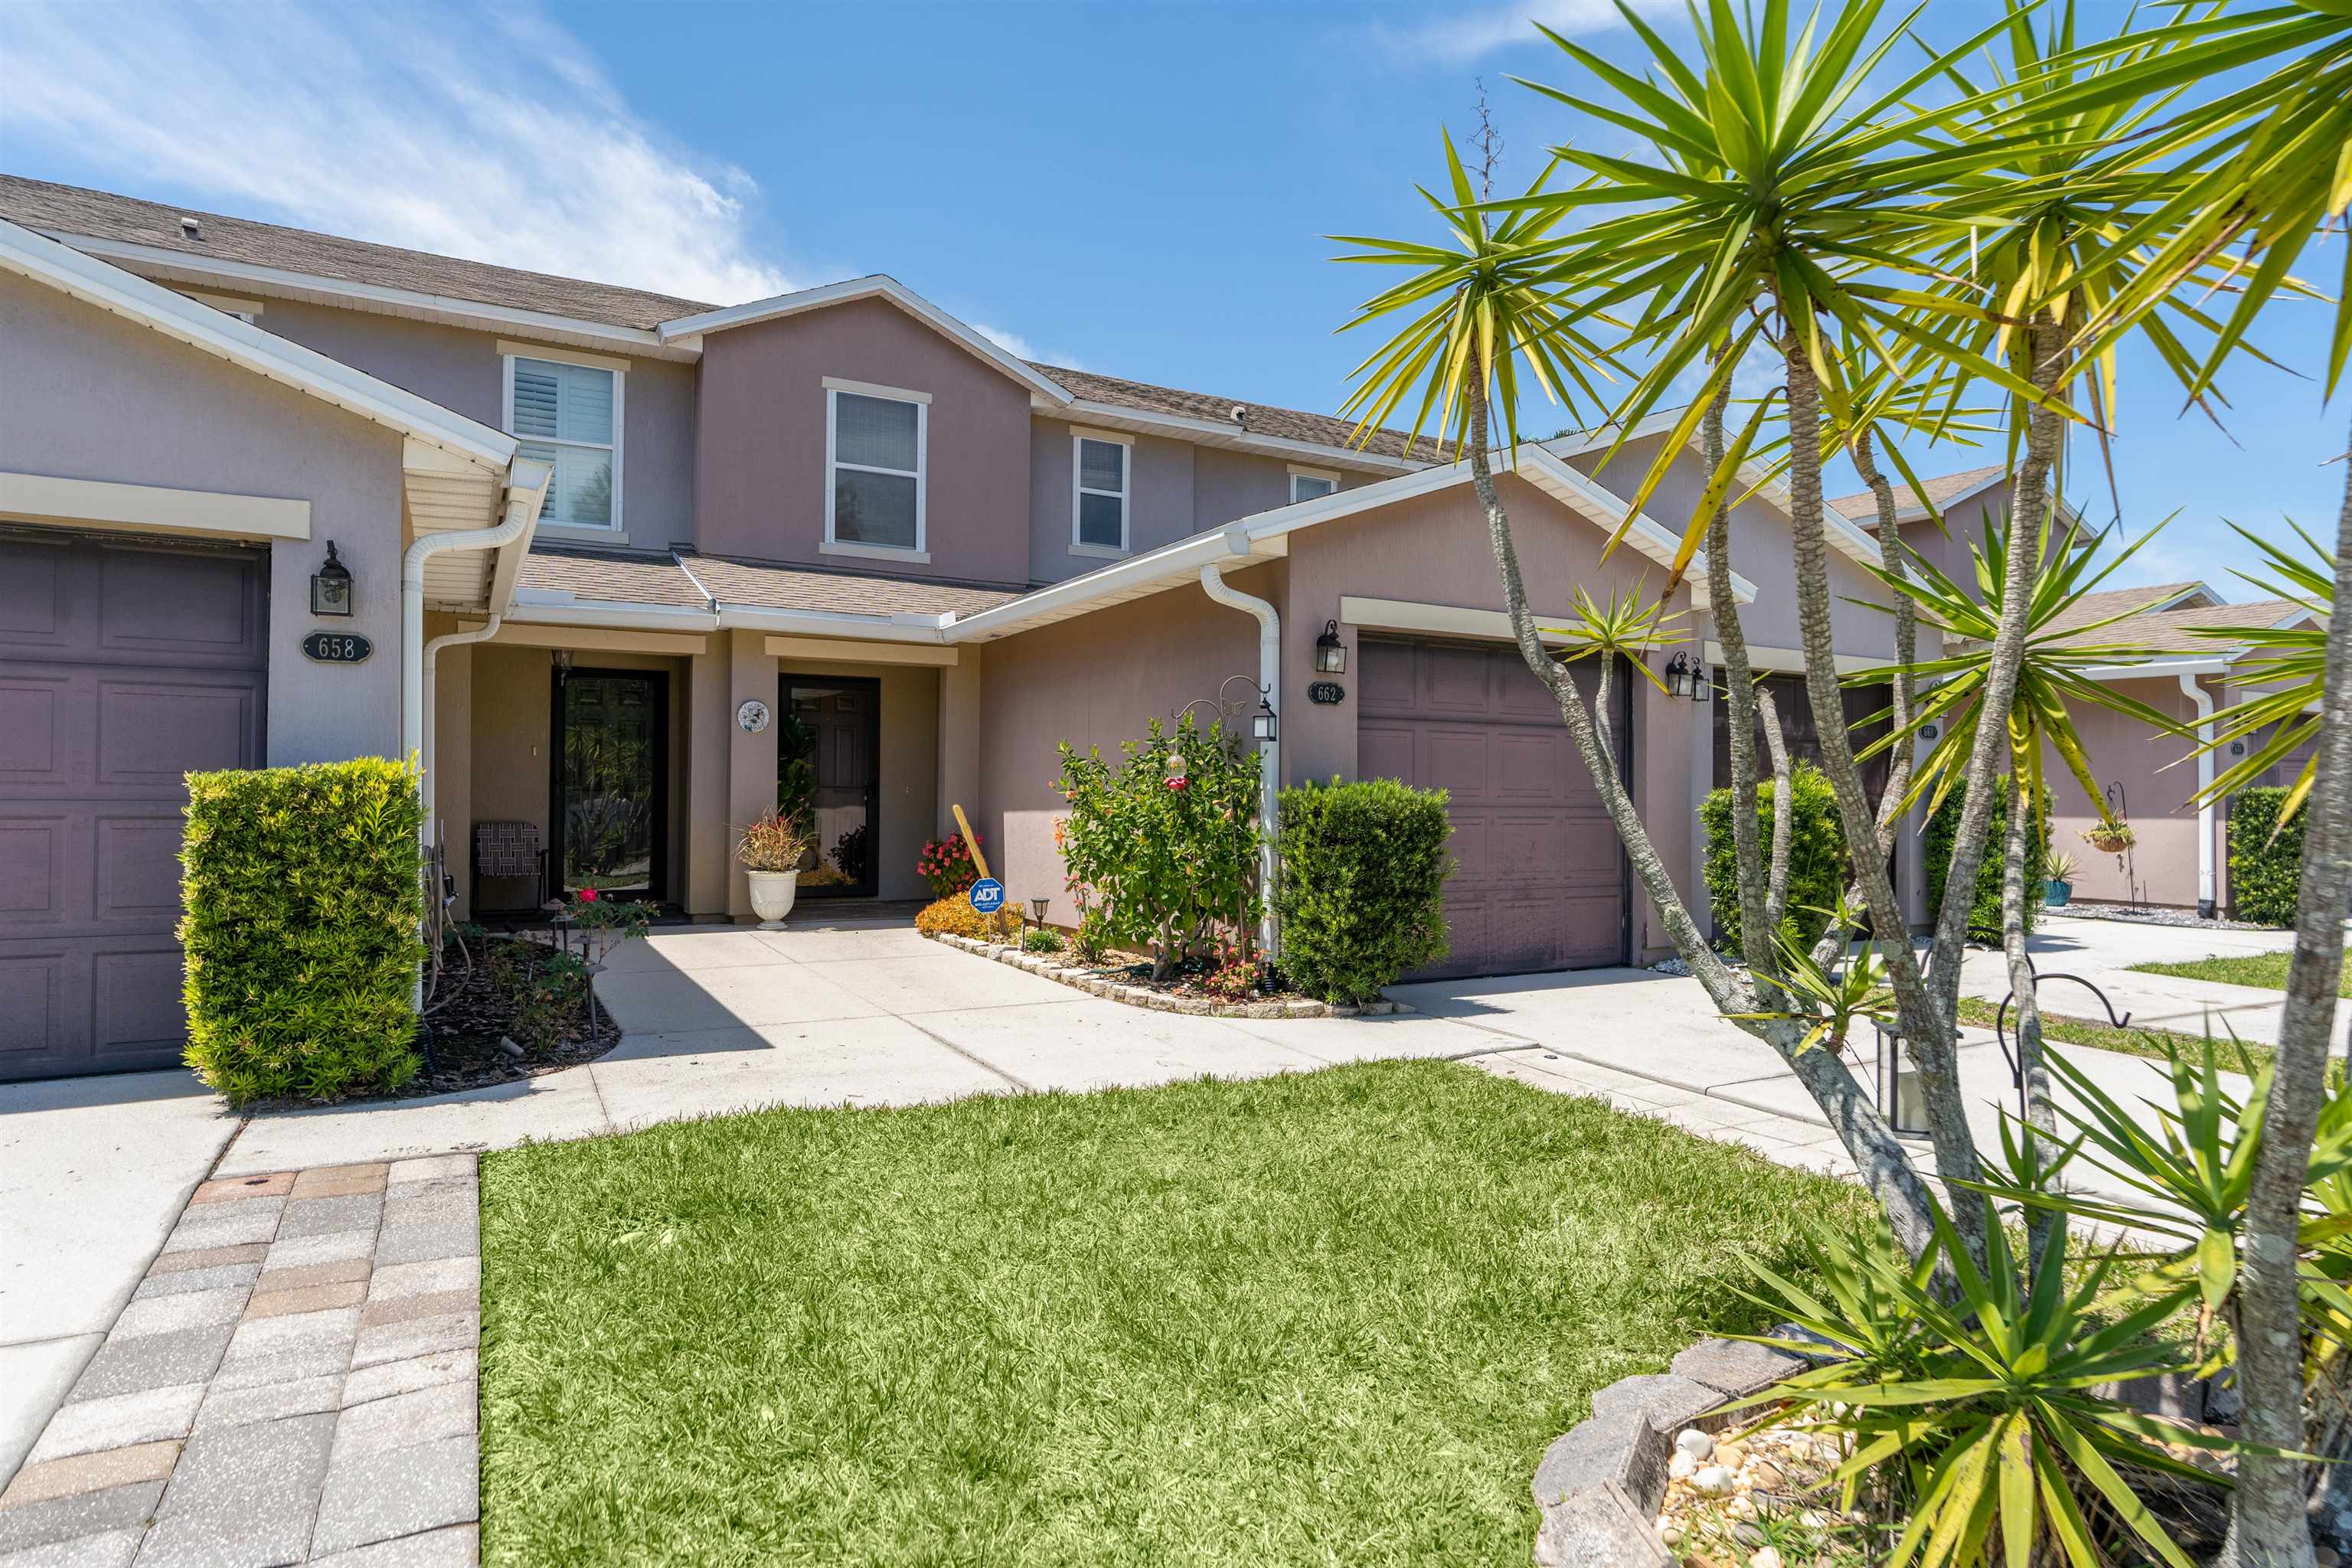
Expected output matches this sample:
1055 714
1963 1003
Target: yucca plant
1829 1004
2287 669
1970 1397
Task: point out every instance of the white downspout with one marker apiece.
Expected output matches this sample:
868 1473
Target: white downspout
2204 700
432 697
1269 754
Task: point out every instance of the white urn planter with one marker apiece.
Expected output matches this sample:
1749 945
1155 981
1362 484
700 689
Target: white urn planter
771 896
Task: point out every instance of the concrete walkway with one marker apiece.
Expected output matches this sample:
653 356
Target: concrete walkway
2101 952
94 1171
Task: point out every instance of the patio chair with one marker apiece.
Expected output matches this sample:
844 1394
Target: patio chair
509 849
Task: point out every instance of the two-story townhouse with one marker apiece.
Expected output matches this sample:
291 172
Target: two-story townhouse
627 570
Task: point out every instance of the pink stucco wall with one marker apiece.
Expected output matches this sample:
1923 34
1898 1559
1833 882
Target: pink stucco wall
759 471
2162 867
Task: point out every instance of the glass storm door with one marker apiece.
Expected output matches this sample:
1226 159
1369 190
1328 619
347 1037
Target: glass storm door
829 776
609 772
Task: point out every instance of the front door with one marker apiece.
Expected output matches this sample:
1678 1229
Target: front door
829 776
610 761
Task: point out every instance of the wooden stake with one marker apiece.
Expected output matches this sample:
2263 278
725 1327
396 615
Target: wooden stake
972 844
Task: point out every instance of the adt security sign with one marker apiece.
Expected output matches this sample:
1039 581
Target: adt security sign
988 895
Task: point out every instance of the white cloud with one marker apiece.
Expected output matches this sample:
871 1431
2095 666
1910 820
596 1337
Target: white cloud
494 137
1020 347
1471 34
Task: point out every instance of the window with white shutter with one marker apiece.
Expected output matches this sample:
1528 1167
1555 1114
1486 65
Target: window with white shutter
568 418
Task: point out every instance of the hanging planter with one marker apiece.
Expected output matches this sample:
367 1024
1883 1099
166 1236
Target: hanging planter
2110 837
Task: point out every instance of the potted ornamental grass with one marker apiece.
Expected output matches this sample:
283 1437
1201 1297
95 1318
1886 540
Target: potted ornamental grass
771 849
2061 889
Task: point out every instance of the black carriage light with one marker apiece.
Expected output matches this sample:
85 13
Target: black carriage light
330 586
1682 680
1262 727
1330 658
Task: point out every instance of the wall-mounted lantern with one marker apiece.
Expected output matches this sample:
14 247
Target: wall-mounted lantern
330 586
1330 654
1684 678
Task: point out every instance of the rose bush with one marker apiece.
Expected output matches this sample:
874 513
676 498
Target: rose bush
1164 843
947 864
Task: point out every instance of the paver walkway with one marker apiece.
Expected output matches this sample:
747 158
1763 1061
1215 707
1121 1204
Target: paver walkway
295 1380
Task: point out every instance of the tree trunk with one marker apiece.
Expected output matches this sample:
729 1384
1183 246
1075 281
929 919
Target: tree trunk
2034 1073
1883 1165
1776 889
1740 692
1893 555
1928 1029
2268 1524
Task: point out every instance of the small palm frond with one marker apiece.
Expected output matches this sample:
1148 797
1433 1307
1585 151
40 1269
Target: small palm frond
1629 624
2286 666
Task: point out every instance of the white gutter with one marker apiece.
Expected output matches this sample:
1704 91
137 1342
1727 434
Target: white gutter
2156 669
1269 766
2204 701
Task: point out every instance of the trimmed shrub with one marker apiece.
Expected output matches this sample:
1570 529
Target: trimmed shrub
303 900
2265 871
954 916
1984 915
1362 895
1817 864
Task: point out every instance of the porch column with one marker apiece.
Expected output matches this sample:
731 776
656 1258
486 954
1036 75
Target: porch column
709 724
452 788
960 698
752 759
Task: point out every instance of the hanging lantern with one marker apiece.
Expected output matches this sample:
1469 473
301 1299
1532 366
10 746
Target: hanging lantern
330 586
1262 727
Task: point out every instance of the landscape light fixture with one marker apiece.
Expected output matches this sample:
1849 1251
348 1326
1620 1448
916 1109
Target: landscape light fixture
1330 654
330 586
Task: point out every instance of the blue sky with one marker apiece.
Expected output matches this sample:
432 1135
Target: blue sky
1140 189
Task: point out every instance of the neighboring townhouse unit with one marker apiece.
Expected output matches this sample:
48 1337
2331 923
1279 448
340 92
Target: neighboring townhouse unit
635 569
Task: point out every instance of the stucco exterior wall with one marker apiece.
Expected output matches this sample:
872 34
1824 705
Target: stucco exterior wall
2162 865
463 371
87 396
1161 501
1093 682
759 471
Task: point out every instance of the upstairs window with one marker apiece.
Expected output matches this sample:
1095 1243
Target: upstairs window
567 416
1102 470
1310 484
874 460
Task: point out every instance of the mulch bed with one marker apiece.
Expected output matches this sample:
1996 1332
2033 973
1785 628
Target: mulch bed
507 993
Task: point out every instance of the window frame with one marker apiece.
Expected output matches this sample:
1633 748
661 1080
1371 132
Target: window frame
1327 476
1079 489
619 370
833 545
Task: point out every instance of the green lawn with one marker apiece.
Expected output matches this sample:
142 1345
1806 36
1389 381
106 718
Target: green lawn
2264 969
1322 1318
2132 1041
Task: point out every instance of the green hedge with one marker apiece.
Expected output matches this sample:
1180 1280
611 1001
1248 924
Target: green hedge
1363 867
303 900
1817 863
2265 871
1984 915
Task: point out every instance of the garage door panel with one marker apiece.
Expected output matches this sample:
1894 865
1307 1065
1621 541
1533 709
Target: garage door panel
150 732
137 1010
177 604
1539 877
1384 752
123 668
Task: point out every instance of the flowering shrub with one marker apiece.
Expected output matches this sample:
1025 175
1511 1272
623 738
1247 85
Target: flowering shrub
1164 843
947 865
605 923
1237 978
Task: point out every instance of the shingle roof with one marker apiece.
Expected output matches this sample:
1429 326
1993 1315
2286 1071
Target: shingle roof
2175 631
624 579
1861 507
100 215
777 587
2093 608
1289 424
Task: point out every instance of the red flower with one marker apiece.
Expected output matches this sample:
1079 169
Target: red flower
587 895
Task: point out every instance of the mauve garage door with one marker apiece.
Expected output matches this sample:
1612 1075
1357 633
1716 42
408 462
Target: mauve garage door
1537 882
122 665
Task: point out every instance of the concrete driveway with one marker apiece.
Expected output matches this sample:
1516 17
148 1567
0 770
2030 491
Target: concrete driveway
93 1173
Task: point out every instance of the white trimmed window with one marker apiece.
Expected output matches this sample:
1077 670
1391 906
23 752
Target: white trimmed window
1311 484
568 416
1102 483
873 448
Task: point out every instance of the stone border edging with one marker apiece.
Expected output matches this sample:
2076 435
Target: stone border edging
1100 985
1600 1485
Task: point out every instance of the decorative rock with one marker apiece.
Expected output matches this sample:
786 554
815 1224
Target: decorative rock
1682 1467
1670 1534
506 1044
1696 1442
1764 1557
1714 1481
1765 1476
